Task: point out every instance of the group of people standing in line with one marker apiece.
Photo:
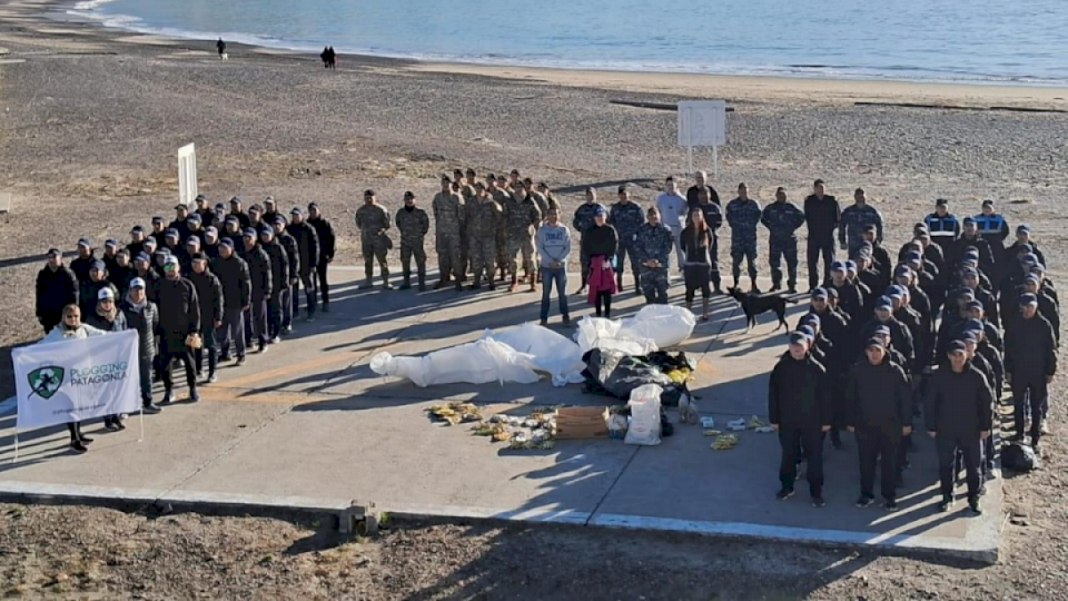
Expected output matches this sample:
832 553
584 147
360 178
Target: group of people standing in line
199 290
936 331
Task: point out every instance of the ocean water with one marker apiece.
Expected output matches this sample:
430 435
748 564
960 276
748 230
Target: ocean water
930 40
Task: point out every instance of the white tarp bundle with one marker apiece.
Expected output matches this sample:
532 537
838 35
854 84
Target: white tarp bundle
551 352
515 354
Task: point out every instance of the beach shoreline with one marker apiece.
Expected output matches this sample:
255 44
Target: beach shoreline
776 87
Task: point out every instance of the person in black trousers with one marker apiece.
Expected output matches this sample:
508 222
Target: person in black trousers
879 407
325 231
959 416
600 244
57 287
697 243
799 408
179 316
822 214
1030 363
259 268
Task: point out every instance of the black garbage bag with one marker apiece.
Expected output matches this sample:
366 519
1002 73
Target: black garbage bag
616 374
1019 458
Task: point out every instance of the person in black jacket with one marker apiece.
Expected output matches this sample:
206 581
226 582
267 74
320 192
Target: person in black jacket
259 268
799 408
143 315
90 288
179 316
57 287
308 243
600 244
697 243
80 265
210 296
901 338
143 269
106 316
822 213
959 417
137 241
289 291
233 275
879 409
280 278
1030 363
325 232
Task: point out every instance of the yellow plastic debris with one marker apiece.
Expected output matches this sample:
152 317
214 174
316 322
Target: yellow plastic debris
725 442
756 422
712 432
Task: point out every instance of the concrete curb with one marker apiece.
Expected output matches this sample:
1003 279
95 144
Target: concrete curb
979 547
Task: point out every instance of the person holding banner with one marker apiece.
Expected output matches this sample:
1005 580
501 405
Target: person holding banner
143 316
108 318
72 327
179 318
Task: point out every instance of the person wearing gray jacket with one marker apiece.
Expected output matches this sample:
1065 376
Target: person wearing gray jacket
554 246
143 316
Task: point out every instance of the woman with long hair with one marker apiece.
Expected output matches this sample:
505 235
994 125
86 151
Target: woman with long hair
600 244
72 328
696 242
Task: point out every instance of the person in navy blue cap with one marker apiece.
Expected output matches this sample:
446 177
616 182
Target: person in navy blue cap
289 293
86 256
179 317
1047 307
823 215
137 241
310 251
849 296
993 228
943 225
799 409
900 337
325 231
879 413
1024 243
238 213
181 212
970 279
90 289
57 287
259 267
1030 363
970 239
281 276
236 283
958 416
880 257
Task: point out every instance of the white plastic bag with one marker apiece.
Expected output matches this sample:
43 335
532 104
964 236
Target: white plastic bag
666 325
644 406
608 335
478 362
551 352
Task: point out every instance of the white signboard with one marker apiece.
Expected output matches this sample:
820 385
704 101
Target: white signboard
187 174
77 379
702 123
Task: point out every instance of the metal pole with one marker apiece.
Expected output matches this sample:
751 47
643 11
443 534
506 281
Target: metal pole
689 161
715 162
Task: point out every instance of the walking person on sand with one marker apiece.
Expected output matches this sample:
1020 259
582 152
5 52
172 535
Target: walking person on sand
221 47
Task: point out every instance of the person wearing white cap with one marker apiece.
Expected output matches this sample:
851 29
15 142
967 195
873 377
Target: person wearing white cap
179 311
108 318
142 315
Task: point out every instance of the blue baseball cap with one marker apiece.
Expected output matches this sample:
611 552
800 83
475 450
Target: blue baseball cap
1028 299
799 338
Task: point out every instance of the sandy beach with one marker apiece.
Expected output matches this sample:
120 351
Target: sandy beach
90 121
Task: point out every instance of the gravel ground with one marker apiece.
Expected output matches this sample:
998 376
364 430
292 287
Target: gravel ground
87 141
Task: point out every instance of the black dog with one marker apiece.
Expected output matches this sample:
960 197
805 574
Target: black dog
754 305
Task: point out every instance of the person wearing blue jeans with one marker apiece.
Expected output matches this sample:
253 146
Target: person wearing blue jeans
554 246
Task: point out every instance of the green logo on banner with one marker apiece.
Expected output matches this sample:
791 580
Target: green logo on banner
45 381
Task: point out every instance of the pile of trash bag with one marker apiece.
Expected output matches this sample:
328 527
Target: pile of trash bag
519 354
616 374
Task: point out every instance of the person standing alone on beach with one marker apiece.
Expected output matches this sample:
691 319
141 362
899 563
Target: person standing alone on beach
221 47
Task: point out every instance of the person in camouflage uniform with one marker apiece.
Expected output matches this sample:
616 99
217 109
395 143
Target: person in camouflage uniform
782 218
539 197
449 221
543 189
523 218
653 244
743 215
413 224
582 222
854 219
373 221
483 217
500 194
467 192
626 217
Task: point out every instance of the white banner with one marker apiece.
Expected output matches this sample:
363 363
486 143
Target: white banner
73 380
187 175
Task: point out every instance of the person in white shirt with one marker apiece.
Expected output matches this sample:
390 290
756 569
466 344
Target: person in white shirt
672 207
70 328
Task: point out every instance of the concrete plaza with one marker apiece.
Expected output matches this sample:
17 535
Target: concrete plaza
309 424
